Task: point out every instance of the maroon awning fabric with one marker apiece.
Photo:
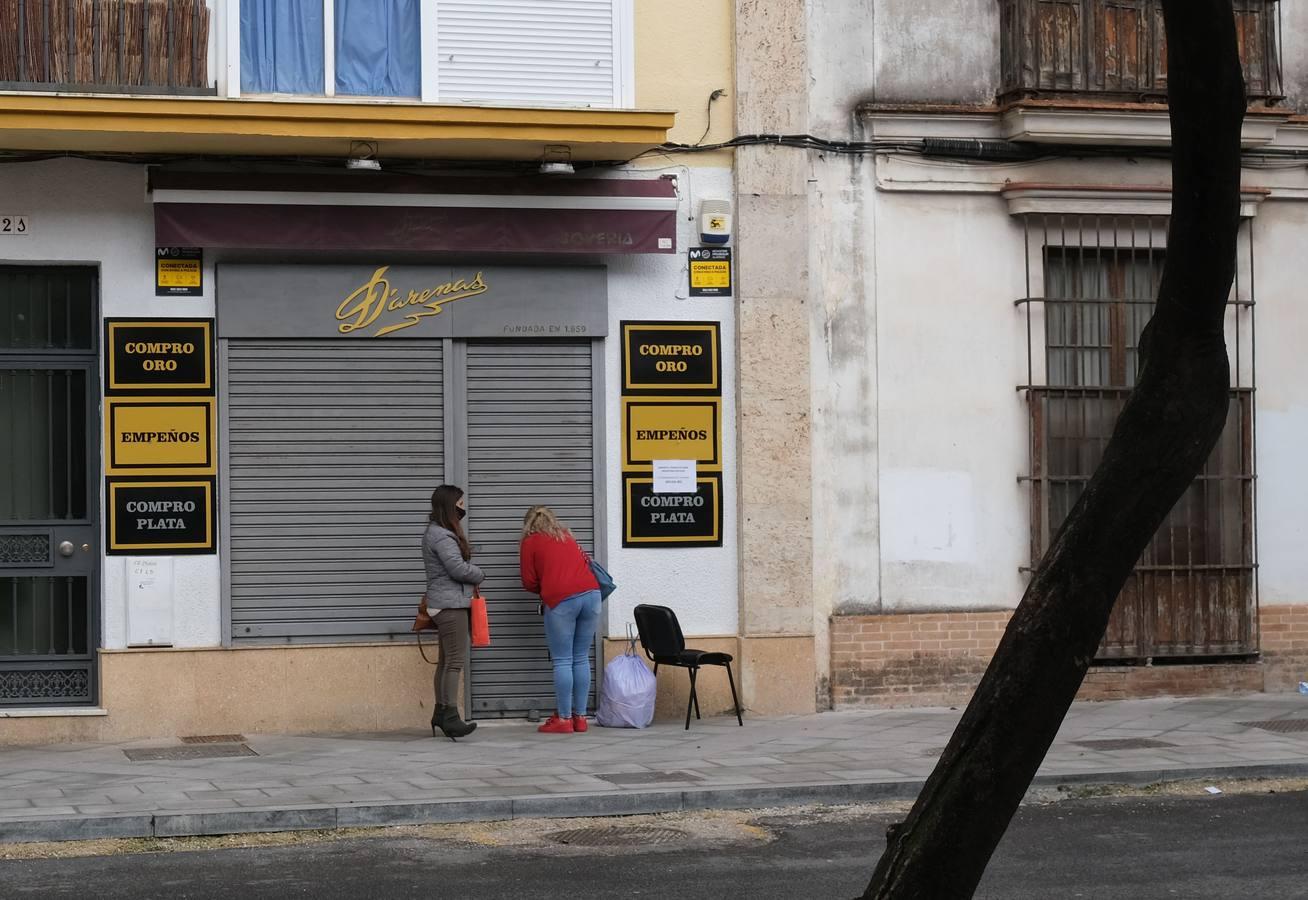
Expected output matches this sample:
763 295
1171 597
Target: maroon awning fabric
371 211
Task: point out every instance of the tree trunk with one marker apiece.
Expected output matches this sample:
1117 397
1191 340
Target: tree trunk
1165 433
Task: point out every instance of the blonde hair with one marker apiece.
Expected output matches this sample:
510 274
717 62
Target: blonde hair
541 520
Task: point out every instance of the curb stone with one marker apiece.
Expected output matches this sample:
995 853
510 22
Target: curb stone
328 817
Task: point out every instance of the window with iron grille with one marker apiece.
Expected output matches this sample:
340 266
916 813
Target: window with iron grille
1118 48
1092 283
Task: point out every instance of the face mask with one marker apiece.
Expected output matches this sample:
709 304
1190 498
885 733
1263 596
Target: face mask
460 512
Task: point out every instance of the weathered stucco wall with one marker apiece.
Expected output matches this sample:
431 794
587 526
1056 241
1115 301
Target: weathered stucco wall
1294 58
936 52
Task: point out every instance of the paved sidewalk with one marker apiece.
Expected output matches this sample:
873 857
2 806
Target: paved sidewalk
506 770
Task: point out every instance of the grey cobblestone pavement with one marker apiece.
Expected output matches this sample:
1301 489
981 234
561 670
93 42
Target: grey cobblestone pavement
506 769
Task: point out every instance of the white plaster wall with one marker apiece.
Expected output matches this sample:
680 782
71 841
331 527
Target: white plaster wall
98 213
1281 419
85 212
952 429
700 583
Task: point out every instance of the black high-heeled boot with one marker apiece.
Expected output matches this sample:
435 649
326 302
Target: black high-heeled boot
452 726
436 716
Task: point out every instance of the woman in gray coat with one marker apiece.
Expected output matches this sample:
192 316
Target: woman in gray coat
451 577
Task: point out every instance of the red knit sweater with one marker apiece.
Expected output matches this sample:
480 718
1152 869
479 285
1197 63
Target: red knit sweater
555 569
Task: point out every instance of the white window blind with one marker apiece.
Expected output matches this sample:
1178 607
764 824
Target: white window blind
529 52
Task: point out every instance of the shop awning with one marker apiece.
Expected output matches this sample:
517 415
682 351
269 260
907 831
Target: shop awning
378 211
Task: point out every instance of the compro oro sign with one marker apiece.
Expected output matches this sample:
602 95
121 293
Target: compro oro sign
667 357
160 356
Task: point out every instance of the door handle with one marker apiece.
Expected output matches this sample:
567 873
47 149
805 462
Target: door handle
66 548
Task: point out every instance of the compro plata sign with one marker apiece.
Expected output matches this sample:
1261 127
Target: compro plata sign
160 516
160 436
159 356
672 520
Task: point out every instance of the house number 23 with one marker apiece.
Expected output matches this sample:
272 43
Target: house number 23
13 225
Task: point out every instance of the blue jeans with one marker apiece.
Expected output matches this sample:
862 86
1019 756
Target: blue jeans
570 632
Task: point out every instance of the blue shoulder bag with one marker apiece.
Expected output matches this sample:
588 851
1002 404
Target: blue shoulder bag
603 578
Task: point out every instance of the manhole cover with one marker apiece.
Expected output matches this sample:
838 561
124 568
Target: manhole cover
604 836
1123 744
198 751
214 739
1280 726
651 777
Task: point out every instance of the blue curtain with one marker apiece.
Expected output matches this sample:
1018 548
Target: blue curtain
378 50
282 47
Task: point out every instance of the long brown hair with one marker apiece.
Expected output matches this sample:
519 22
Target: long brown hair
444 513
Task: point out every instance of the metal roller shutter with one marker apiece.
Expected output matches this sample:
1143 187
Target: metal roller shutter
333 451
541 52
530 440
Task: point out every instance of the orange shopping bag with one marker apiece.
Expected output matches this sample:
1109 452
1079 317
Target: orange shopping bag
480 621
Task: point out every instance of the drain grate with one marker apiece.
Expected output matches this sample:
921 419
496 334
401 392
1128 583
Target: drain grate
1279 726
651 777
197 751
1123 744
214 739
605 836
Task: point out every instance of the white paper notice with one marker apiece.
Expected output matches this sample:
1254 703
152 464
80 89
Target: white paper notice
674 476
149 602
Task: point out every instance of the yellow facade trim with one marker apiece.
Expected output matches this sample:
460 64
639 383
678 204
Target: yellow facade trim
219 125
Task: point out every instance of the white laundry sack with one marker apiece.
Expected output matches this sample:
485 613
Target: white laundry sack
627 696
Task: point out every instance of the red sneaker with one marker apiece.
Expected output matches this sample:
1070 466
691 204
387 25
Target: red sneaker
555 725
579 724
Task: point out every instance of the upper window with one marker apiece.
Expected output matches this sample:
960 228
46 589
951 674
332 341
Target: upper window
531 52
1119 48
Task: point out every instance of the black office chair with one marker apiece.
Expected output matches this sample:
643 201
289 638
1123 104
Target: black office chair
664 644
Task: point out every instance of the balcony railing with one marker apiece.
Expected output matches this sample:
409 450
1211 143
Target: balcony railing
1117 49
111 46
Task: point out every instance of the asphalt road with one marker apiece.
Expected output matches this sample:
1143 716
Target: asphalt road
1209 847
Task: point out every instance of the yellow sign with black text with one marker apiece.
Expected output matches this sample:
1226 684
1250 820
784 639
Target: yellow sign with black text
160 436
667 428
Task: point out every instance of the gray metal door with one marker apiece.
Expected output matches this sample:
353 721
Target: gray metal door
49 531
332 451
530 439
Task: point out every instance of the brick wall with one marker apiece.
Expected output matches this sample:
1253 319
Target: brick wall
928 659
1284 642
936 659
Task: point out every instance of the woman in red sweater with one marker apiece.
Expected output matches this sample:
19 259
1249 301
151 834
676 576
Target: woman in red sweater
554 567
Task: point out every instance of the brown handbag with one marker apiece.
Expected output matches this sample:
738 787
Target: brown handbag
423 622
